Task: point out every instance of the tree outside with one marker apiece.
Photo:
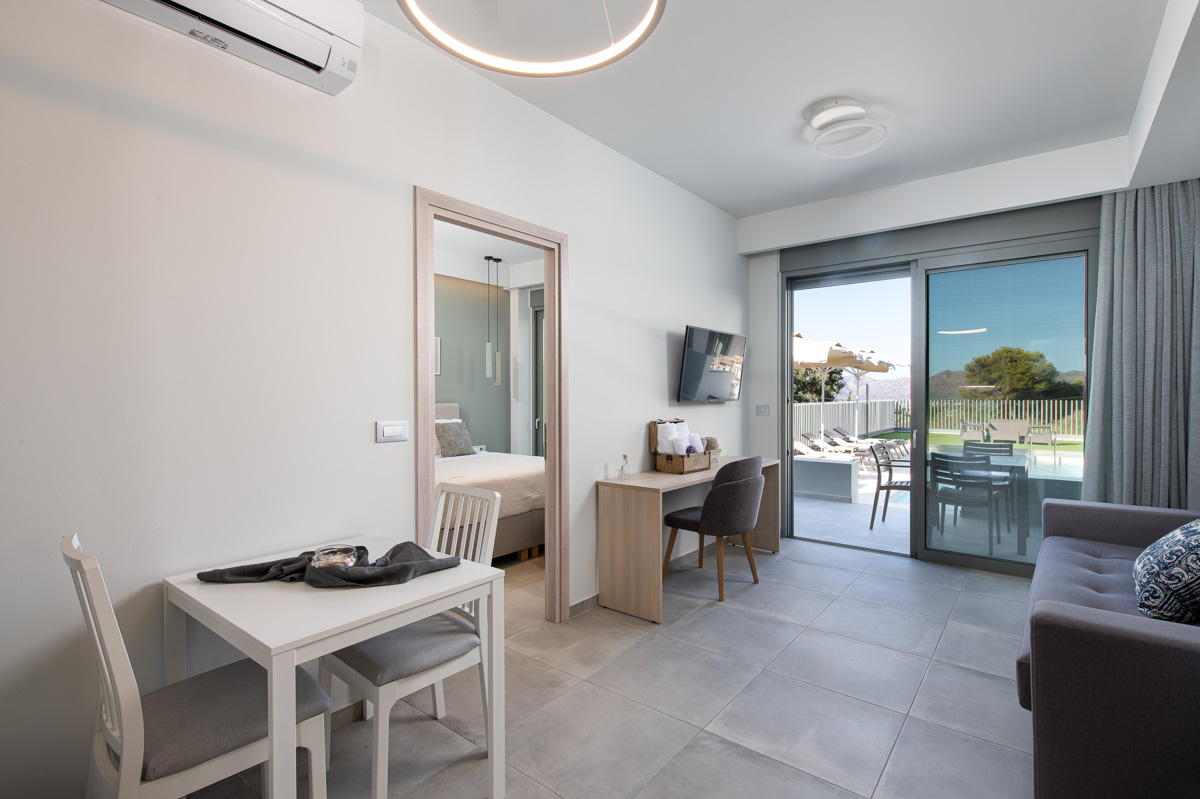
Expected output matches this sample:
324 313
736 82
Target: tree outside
806 384
1014 373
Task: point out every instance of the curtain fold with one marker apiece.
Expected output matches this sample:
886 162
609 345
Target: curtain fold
1142 443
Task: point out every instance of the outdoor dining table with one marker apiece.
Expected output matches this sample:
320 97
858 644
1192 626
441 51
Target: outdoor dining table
281 625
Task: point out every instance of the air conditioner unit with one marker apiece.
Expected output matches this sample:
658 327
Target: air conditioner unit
317 42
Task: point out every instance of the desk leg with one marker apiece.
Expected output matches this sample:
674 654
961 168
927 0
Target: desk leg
631 551
765 534
494 657
281 725
174 641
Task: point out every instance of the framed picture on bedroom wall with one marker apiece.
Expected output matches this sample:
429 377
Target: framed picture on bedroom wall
437 356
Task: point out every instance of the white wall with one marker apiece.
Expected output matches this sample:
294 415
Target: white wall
762 362
206 302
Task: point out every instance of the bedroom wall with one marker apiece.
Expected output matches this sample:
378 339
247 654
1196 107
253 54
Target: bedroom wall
206 301
460 320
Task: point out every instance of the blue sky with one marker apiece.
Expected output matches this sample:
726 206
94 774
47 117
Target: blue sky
1037 306
861 316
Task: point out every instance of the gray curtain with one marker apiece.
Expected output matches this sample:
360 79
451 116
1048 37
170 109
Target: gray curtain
1142 443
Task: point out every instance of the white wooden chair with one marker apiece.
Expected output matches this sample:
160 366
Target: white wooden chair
187 735
420 655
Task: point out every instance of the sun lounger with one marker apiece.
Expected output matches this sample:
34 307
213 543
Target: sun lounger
814 442
861 442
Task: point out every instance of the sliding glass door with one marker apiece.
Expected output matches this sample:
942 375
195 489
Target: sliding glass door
849 339
1006 345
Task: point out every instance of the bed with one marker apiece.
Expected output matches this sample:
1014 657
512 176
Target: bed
519 479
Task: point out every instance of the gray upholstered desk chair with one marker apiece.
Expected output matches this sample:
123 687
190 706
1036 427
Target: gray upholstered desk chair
731 508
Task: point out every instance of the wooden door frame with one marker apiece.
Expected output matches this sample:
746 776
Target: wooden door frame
429 207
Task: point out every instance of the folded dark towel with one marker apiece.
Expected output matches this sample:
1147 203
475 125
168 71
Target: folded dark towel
402 563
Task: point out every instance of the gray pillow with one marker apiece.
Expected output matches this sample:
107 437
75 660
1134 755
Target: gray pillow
453 439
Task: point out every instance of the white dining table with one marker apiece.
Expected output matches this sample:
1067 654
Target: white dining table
281 625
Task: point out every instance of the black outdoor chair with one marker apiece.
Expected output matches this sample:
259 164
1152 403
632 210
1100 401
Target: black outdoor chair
883 460
731 508
1001 478
963 482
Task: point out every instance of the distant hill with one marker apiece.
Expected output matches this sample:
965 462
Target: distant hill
897 388
945 385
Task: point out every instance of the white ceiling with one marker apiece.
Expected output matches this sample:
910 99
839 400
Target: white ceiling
464 241
715 100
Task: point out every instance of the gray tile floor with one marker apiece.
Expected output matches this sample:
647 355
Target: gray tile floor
842 674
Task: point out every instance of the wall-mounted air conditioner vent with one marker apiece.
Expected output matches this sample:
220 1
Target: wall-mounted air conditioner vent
317 42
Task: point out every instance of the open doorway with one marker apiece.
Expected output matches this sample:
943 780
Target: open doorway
487 374
849 421
481 277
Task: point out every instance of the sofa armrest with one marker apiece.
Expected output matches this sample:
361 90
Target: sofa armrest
1114 703
1126 525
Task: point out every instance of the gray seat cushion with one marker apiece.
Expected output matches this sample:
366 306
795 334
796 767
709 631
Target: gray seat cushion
411 649
1077 571
685 519
193 721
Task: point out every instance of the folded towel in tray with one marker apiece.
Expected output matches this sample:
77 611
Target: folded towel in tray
402 563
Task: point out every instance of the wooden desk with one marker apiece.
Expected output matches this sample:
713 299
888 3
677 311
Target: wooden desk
281 625
631 534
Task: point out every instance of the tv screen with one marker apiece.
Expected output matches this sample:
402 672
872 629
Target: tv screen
712 366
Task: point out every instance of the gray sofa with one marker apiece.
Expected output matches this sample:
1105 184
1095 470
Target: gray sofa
1115 694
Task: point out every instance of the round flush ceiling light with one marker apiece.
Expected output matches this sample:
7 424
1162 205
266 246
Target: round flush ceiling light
844 130
837 111
538 69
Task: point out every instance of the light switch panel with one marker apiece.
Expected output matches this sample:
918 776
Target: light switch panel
391 431
762 410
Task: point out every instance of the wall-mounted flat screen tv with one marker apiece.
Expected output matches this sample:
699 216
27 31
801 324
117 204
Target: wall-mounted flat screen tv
712 366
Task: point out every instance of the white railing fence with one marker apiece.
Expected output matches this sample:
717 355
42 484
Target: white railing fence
945 416
858 417
1064 415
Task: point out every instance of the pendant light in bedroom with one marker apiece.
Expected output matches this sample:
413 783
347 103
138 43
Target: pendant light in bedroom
487 348
497 352
491 353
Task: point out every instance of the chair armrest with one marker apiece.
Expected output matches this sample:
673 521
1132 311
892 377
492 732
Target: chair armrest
1126 525
1114 703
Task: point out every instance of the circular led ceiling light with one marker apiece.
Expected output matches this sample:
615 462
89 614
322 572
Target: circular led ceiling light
836 111
537 69
844 130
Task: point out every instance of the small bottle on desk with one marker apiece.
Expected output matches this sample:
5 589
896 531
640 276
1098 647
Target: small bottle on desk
623 472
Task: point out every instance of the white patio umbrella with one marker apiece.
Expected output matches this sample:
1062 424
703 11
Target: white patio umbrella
822 356
868 362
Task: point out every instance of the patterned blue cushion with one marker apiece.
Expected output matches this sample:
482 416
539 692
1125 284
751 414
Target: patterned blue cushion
1167 576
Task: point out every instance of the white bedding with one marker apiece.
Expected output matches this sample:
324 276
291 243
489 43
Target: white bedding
520 479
